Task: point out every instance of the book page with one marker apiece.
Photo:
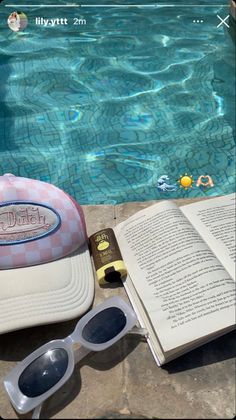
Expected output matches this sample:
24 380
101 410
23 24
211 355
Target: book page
184 288
214 219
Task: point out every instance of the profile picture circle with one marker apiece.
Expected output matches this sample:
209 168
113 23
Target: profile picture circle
17 21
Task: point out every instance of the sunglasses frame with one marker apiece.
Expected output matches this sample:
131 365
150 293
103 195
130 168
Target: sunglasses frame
24 404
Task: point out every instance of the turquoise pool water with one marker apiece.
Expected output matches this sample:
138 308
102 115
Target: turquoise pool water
104 108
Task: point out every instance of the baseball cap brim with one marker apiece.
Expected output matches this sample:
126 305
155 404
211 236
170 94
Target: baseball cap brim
46 293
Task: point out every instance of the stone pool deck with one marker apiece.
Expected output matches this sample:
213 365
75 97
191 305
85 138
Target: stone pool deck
124 381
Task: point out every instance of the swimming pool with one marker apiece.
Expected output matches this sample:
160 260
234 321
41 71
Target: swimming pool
104 108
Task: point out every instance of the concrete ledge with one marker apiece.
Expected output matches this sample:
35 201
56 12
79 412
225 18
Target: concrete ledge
124 381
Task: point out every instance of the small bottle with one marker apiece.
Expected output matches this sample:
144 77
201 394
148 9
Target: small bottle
107 258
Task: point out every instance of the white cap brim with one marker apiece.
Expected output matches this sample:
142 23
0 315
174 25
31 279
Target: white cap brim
46 293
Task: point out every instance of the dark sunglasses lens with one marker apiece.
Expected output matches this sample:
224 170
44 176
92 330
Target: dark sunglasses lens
43 373
104 326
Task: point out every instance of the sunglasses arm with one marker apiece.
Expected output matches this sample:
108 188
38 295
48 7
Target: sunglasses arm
139 331
37 411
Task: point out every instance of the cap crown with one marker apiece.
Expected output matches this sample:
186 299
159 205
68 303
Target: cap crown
38 222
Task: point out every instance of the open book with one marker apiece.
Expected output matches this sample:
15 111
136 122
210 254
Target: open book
181 278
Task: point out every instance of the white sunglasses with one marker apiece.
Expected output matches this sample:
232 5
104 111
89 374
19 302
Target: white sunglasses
44 371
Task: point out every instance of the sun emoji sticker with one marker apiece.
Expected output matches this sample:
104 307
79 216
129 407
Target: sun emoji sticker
186 181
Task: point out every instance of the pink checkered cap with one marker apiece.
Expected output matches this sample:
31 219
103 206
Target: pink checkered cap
45 266
38 222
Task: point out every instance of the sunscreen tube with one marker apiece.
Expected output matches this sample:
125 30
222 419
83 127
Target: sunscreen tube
107 258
